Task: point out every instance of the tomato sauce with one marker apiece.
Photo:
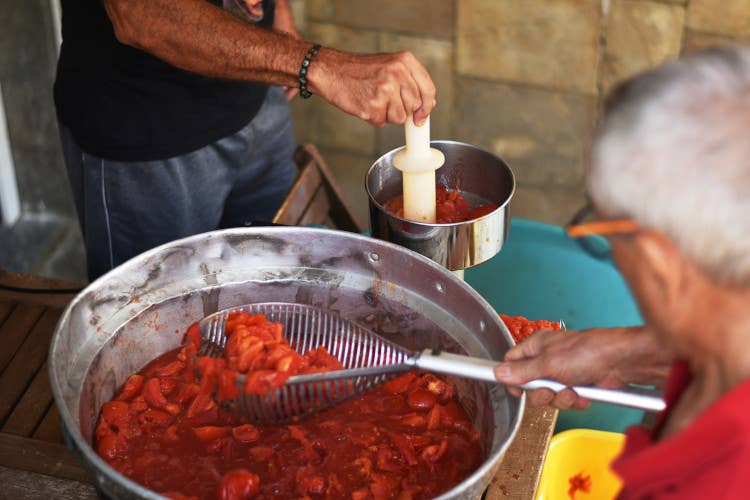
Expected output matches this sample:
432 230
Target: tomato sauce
450 207
409 438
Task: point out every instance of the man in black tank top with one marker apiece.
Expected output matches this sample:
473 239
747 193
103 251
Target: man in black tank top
174 116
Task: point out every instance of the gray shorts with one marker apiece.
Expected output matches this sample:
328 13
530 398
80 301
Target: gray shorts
126 208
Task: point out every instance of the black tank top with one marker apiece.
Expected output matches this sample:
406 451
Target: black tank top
121 103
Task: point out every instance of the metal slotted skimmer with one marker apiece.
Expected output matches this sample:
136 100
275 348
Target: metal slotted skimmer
368 359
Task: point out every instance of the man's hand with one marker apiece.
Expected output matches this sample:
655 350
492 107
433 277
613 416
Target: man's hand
379 88
606 357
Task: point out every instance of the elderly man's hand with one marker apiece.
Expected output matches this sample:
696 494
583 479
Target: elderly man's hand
379 88
605 357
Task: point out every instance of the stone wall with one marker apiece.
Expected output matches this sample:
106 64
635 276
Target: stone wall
521 78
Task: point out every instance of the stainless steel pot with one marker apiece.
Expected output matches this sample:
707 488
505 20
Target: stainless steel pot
139 310
480 176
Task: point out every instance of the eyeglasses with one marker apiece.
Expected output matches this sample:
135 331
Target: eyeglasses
590 235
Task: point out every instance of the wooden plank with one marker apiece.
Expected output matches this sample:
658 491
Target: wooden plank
317 211
299 196
15 330
49 429
27 361
341 210
32 407
32 455
24 485
12 279
6 306
521 467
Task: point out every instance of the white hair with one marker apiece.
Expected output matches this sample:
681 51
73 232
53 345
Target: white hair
673 153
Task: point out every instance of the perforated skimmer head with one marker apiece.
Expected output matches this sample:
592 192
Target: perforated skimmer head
369 360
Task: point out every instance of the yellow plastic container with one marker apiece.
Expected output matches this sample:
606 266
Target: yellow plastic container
581 451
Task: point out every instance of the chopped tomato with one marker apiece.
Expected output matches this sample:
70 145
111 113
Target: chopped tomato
579 482
238 484
246 433
170 430
450 207
210 432
520 327
132 387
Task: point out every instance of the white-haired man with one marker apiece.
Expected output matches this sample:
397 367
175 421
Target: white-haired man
669 177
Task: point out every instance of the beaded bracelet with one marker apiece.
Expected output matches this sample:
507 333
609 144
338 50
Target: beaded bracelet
303 71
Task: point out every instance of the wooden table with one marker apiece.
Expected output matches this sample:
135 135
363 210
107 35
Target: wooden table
34 464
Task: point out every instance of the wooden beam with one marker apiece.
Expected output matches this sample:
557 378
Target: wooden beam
6 307
18 280
41 457
521 467
49 429
296 202
317 211
26 363
15 329
341 212
32 407
24 485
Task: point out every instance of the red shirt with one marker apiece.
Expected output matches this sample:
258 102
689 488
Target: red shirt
709 459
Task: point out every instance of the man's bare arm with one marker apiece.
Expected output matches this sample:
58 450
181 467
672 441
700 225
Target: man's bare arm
197 36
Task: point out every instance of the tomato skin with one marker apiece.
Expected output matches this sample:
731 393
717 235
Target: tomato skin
246 433
421 399
400 384
110 446
152 394
433 418
434 452
151 419
116 413
132 387
210 432
238 484
172 369
193 336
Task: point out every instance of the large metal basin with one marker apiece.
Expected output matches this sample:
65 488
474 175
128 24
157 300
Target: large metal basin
140 309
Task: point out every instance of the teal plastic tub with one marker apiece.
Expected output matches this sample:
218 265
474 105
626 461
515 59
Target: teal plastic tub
542 274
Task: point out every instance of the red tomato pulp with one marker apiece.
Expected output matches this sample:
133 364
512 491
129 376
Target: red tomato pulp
409 438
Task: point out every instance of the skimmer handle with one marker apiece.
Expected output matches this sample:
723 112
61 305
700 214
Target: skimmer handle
631 396
482 369
456 364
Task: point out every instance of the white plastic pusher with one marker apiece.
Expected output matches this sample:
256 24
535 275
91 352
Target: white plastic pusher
417 163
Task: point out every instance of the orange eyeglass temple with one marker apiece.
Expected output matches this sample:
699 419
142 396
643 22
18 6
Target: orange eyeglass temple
602 227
